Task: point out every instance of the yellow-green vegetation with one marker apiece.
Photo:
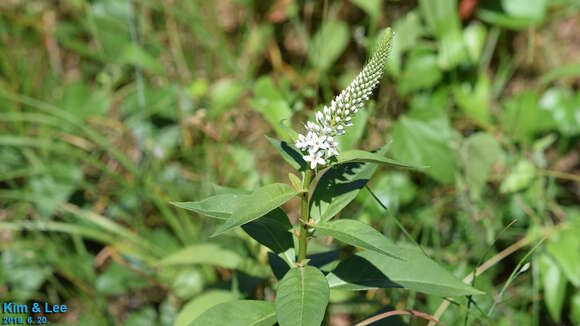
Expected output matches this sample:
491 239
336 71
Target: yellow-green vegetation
132 133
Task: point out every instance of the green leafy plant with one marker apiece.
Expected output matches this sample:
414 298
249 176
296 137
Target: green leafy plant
304 282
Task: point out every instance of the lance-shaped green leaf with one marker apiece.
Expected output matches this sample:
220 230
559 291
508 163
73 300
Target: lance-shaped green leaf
369 270
223 190
258 204
219 206
327 44
238 313
338 187
359 234
357 155
204 253
302 297
272 230
214 254
200 304
554 283
289 153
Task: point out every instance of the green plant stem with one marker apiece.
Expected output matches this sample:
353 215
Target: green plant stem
304 217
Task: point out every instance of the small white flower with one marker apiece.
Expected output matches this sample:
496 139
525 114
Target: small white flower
314 159
311 126
302 142
319 117
331 152
318 143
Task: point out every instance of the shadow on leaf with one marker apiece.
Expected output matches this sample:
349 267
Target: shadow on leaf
359 271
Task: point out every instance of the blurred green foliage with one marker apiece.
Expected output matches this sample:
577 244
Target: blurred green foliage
109 109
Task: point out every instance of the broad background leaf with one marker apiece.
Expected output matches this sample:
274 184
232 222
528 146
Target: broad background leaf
327 44
481 151
554 284
422 137
421 71
474 99
443 19
564 246
197 306
269 101
205 253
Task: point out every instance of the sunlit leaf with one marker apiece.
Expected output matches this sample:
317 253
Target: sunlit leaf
554 284
523 118
359 234
481 151
532 9
270 102
474 99
238 313
575 308
356 155
474 39
564 106
327 44
564 246
371 7
219 206
224 96
423 136
138 56
369 269
302 297
205 253
421 71
408 29
258 204
519 178
443 18
197 306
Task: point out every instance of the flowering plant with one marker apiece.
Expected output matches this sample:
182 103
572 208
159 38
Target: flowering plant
319 143
304 287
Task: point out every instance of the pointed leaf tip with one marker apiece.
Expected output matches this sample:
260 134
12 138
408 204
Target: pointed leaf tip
257 204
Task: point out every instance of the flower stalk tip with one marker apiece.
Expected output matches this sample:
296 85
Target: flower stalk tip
319 145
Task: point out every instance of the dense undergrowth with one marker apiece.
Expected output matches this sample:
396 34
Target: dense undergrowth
110 109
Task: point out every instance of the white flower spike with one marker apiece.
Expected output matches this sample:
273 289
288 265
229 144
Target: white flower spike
318 145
